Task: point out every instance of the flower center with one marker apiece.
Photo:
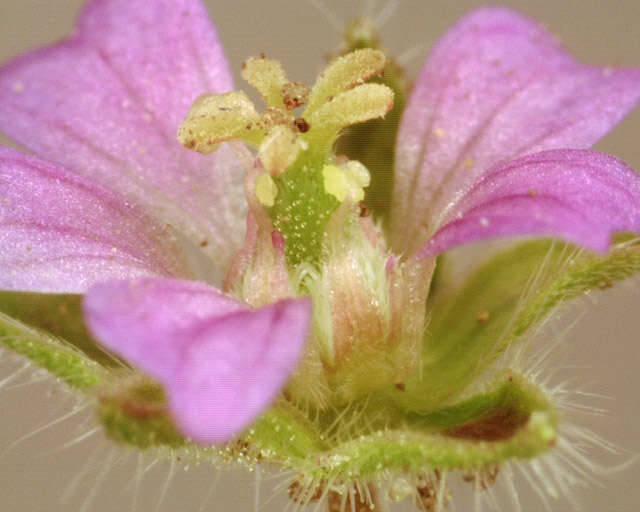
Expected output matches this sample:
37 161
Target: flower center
368 307
303 182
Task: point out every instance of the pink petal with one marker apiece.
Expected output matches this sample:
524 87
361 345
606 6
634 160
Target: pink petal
579 195
106 103
496 86
221 363
61 233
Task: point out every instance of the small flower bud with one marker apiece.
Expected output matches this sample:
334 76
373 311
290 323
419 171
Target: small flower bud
369 312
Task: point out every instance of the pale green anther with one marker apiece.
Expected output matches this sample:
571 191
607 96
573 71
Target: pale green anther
351 179
359 173
367 101
266 190
342 74
336 182
267 77
215 118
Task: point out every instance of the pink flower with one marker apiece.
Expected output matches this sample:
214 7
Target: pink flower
102 108
492 143
495 88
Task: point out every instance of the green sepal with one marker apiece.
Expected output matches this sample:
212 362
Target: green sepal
521 424
133 411
577 275
285 434
59 315
501 302
510 396
418 452
509 419
53 354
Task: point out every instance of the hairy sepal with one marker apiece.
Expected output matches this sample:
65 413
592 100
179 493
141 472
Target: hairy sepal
133 410
59 315
501 302
58 357
509 419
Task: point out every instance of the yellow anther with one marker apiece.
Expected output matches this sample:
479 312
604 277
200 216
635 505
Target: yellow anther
214 118
266 190
359 173
336 182
268 78
342 74
349 180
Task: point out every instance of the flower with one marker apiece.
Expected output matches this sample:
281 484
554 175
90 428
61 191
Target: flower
491 144
77 231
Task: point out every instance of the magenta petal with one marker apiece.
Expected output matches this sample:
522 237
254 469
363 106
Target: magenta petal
60 233
495 87
221 363
107 102
236 367
579 195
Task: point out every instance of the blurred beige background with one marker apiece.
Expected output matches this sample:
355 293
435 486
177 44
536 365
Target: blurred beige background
602 355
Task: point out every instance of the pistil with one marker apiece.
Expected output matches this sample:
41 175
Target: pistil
303 180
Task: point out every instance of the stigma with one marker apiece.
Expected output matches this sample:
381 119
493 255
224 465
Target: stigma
301 181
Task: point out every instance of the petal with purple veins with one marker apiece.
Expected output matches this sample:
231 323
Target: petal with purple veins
60 233
497 86
221 363
579 195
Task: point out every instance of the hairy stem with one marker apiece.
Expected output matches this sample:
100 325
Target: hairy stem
353 500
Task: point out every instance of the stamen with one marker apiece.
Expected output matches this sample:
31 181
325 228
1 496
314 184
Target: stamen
266 190
349 180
